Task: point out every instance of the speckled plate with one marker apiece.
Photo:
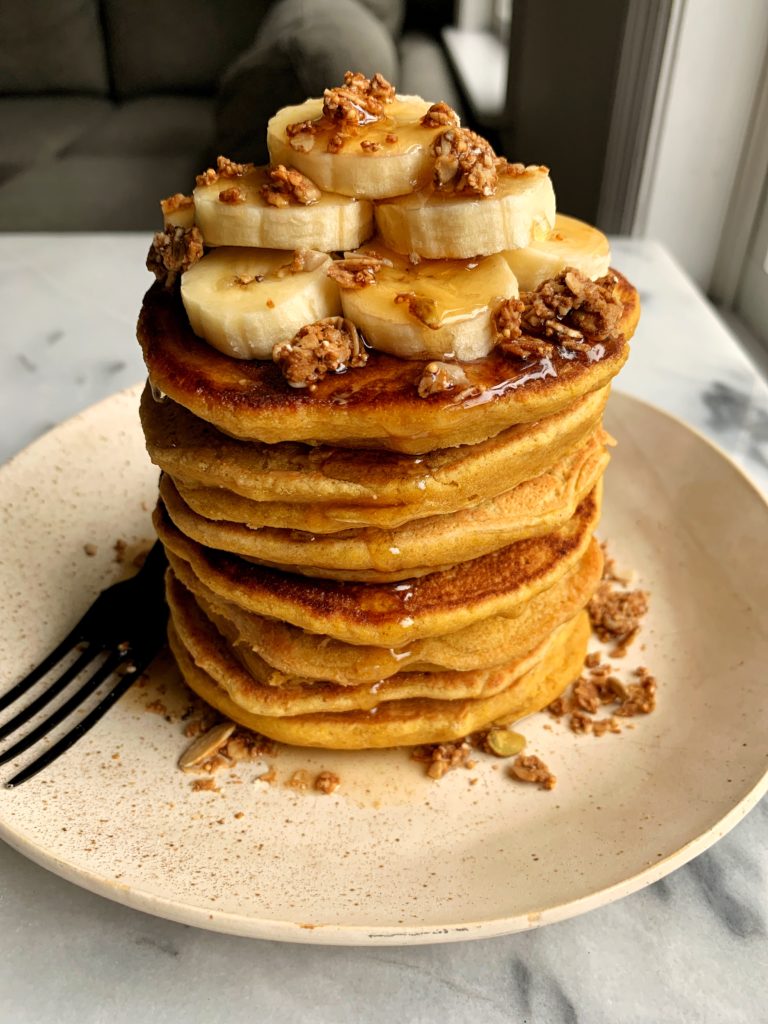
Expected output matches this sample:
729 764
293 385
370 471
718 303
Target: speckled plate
393 857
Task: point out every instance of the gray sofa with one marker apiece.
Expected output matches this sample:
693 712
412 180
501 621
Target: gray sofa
107 106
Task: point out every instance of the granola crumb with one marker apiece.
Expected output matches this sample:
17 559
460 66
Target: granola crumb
327 346
225 168
270 776
368 146
356 271
232 196
585 694
173 251
327 782
119 548
616 614
286 185
204 785
90 549
464 162
245 745
529 768
178 201
560 706
299 780
439 377
239 814
391 138
444 757
157 708
440 115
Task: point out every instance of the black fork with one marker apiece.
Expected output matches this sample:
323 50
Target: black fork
127 621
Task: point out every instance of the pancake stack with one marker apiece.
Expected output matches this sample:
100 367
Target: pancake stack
377 373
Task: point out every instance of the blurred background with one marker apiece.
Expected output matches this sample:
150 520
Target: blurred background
652 114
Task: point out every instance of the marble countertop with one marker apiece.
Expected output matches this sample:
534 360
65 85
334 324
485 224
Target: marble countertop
690 948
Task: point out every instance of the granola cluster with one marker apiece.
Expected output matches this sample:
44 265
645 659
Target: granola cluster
173 251
560 312
356 271
359 101
444 757
175 203
616 614
440 115
597 688
529 768
225 168
464 162
286 185
326 346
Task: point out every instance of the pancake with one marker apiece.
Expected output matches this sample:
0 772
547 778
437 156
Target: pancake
376 405
401 722
392 614
239 672
532 508
327 489
285 652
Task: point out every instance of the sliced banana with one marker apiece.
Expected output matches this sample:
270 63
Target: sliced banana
386 157
331 223
441 225
243 301
434 309
572 243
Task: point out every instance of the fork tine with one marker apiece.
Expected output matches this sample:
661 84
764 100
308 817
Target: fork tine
49 662
82 727
58 716
55 688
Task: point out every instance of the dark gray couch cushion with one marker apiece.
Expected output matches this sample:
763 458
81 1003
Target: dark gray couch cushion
51 47
34 128
302 47
161 125
176 46
93 193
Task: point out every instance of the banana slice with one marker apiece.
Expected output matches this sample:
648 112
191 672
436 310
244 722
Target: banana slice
435 309
571 244
439 225
243 301
386 157
331 222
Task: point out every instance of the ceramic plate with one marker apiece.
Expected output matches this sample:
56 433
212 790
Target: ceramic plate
393 857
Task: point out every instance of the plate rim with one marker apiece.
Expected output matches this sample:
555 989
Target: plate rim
273 929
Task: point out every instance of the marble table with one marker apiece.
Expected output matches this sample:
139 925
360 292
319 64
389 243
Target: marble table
691 948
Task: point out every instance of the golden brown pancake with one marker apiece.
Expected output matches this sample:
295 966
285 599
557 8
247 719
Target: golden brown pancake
400 722
238 671
327 489
286 652
392 614
377 405
531 509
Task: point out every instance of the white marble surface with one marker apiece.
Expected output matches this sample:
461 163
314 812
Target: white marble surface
691 948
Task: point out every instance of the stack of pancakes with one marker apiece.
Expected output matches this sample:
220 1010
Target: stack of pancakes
358 566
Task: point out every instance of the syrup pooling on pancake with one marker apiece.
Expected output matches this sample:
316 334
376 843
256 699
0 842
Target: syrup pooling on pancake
379 525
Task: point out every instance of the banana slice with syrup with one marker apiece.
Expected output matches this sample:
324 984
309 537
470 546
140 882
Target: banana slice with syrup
243 301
